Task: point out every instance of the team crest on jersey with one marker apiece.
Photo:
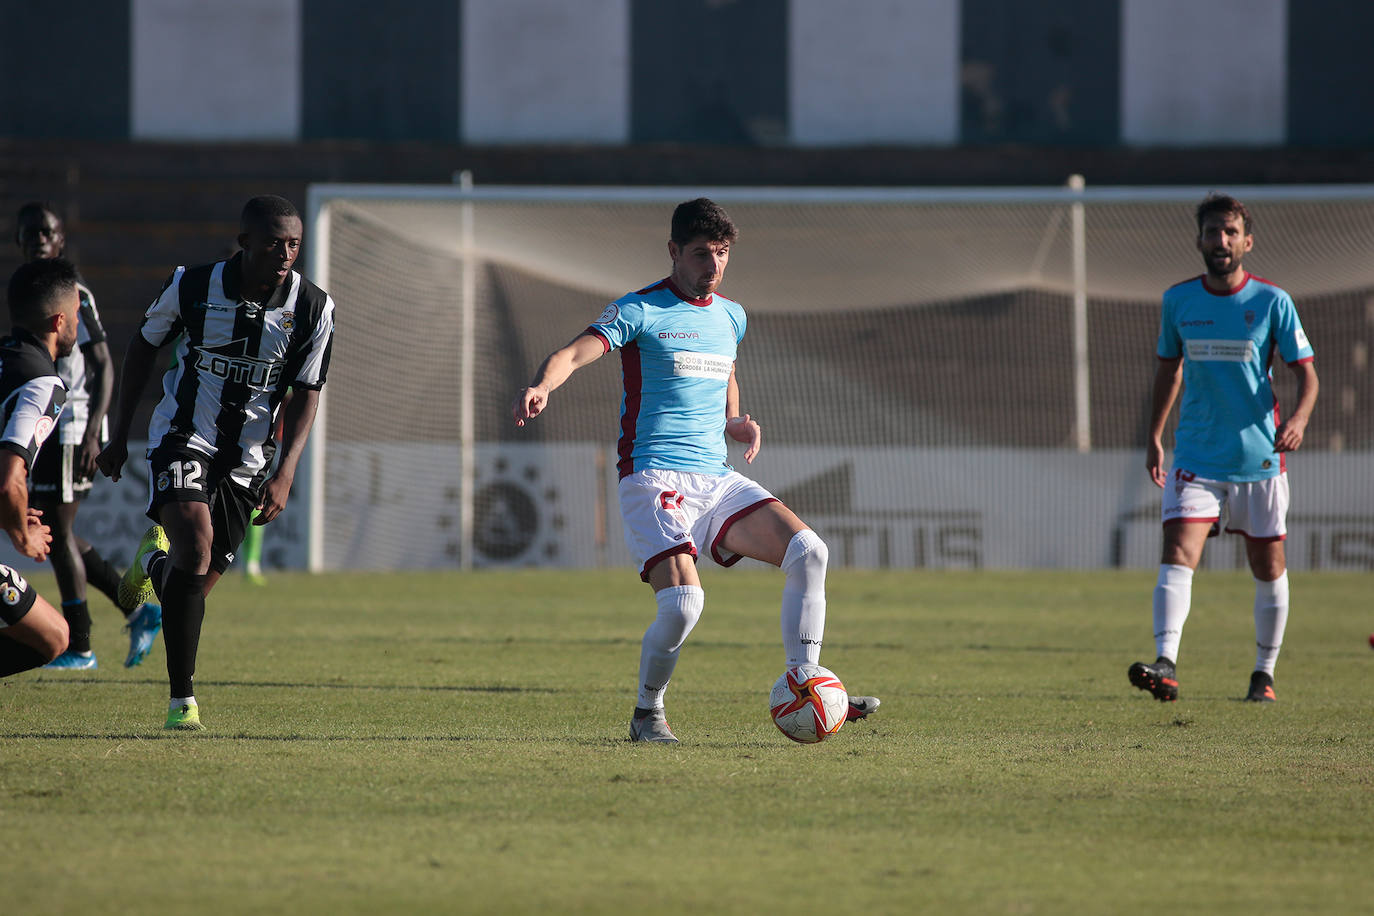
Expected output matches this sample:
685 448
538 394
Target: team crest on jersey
611 313
9 594
288 320
164 480
42 428
1249 317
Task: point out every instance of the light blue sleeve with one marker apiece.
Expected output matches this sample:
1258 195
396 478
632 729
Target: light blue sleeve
1170 345
1288 332
619 323
738 317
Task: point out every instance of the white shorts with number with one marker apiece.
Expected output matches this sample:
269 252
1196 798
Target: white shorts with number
668 512
1257 509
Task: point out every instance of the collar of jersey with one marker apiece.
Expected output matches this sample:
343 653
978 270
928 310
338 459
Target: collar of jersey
683 296
1229 292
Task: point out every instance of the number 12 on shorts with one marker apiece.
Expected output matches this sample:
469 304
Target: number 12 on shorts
182 475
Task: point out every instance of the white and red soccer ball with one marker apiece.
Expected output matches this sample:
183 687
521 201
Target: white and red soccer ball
808 703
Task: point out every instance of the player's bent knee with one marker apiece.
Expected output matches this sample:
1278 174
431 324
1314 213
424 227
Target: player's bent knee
807 557
46 630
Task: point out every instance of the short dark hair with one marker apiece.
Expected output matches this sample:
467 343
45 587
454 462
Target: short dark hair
1224 205
37 289
702 218
35 208
264 208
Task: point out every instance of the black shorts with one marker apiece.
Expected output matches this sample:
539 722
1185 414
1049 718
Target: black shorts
54 478
181 475
16 596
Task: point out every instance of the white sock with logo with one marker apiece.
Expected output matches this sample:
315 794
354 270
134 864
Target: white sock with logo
803 598
1172 598
1271 617
679 608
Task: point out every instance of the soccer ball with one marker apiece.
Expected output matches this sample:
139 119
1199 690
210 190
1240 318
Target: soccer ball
808 703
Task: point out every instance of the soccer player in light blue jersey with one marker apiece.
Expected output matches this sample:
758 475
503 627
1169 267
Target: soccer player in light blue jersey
1219 334
678 494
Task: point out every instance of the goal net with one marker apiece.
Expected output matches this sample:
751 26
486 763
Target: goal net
945 378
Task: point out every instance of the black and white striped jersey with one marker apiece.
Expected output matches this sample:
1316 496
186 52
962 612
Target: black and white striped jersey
234 361
72 370
31 394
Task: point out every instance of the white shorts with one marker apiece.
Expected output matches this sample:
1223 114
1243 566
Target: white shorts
668 512
1257 509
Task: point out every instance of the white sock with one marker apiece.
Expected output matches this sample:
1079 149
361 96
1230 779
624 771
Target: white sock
803 598
1271 617
178 702
1172 599
679 608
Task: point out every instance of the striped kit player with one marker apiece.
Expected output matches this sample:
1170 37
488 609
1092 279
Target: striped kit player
55 475
42 304
244 330
33 399
233 363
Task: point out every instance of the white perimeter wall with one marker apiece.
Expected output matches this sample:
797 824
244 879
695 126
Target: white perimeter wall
395 505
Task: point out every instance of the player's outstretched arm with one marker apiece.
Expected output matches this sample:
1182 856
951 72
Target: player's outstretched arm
139 361
299 418
1168 379
24 525
557 367
1289 435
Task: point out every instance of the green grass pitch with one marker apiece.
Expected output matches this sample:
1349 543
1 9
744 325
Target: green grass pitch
448 743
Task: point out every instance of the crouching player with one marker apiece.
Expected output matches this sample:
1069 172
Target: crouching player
43 304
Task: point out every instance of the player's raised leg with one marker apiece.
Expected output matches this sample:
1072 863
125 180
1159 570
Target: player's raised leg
774 534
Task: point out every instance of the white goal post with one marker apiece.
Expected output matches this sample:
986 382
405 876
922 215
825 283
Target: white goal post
947 376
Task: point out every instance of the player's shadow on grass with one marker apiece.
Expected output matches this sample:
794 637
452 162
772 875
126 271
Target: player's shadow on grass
298 685
241 736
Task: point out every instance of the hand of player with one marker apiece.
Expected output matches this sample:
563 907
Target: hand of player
111 460
274 496
1154 464
86 458
35 541
529 404
745 429
1290 434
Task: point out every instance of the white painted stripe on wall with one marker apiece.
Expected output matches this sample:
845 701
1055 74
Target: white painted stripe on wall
885 71
215 71
546 71
1204 73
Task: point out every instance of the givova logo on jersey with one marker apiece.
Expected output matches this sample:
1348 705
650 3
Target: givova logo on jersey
230 362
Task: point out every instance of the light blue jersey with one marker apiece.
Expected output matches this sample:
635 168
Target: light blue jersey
676 354
1229 414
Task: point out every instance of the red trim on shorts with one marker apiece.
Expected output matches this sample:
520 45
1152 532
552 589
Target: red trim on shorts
1252 538
720 535
686 547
